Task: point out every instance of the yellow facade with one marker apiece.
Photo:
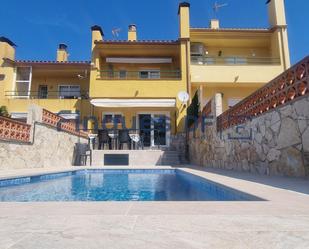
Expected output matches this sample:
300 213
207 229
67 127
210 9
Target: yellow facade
233 62
236 62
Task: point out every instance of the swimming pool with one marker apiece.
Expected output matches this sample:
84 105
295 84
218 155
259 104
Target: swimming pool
117 185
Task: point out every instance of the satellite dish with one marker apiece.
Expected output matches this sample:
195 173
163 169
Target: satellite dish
183 96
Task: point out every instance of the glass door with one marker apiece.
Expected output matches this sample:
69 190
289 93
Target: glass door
159 129
144 121
154 128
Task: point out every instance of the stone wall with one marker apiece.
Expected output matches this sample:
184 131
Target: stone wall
49 148
275 143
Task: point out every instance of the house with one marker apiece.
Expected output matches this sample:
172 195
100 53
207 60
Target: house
136 83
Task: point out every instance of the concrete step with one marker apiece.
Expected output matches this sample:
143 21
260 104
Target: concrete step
166 163
170 158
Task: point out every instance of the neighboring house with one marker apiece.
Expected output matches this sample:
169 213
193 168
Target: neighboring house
140 79
237 61
60 86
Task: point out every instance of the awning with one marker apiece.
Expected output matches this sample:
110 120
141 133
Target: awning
69 115
19 115
134 102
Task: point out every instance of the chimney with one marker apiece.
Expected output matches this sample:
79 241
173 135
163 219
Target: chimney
62 53
276 13
132 34
184 20
7 48
97 34
214 24
277 20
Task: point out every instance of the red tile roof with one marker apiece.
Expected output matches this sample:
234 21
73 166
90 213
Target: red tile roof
139 42
53 62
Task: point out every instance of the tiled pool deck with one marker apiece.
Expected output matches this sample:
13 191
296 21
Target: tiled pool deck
280 222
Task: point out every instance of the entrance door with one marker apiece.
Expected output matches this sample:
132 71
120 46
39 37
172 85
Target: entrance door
144 121
154 128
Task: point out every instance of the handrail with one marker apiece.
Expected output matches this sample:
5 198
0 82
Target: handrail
288 86
207 108
136 75
13 130
48 95
233 60
62 124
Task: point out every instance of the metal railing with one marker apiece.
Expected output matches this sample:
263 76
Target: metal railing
139 75
48 95
233 60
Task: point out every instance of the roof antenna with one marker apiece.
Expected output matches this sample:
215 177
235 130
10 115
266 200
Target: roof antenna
217 7
116 32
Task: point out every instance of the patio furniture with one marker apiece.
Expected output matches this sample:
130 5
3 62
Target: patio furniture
85 154
113 134
136 141
104 139
91 140
124 138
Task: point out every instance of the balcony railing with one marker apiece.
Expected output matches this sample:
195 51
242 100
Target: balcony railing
288 86
48 95
139 75
209 60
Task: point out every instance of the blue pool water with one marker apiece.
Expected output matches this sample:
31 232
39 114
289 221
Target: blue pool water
117 185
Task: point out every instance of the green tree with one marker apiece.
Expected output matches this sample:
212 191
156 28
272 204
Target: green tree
193 110
4 111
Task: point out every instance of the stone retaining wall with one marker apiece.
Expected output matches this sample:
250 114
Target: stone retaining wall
49 148
275 143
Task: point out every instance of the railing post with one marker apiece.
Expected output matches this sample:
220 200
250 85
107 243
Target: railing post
218 104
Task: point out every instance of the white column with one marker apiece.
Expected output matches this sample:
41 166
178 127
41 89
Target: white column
218 103
201 97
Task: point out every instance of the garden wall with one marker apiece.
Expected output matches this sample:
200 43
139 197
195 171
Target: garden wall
38 144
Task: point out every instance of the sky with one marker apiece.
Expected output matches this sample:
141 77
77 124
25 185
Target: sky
38 26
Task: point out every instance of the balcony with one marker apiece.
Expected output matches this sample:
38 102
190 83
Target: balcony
206 69
18 102
47 95
233 60
139 75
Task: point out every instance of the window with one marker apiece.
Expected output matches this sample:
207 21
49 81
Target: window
149 74
122 74
23 81
43 92
110 118
69 91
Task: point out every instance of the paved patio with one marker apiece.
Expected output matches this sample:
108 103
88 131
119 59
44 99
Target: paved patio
280 222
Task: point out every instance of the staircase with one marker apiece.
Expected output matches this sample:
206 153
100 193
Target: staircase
170 157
